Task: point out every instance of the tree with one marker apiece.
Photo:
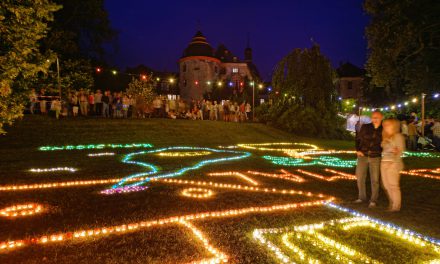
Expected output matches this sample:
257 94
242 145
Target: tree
142 89
306 103
22 25
404 45
78 36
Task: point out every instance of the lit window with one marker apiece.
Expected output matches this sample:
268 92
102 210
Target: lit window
235 70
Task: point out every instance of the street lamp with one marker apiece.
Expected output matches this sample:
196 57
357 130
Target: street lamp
58 77
253 101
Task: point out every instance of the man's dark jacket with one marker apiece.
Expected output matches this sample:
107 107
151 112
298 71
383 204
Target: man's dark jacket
368 141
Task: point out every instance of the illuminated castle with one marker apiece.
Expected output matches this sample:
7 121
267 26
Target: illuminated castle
203 69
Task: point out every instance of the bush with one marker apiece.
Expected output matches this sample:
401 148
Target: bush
304 121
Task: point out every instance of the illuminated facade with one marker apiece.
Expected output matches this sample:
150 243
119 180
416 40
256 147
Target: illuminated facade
203 69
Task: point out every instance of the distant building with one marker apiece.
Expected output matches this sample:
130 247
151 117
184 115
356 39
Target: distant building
203 69
350 81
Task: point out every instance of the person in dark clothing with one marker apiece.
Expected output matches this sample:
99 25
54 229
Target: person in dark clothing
369 152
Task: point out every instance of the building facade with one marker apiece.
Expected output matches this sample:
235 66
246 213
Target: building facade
350 81
202 70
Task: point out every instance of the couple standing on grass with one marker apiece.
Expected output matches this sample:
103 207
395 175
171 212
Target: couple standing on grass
379 147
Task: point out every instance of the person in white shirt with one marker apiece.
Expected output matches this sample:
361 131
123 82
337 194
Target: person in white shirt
33 99
436 134
393 146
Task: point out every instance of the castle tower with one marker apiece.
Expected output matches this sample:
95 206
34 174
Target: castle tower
198 68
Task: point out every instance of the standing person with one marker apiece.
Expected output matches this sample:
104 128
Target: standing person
42 99
242 112
248 111
226 111
215 109
98 102
369 150
125 105
55 106
393 145
33 99
74 101
83 103
105 102
220 110
91 99
436 134
412 135
404 131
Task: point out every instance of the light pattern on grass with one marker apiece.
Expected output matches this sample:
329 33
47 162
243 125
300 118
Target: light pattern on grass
180 154
204 189
101 154
20 210
38 170
199 193
326 161
95 146
336 175
128 159
299 240
424 173
284 175
235 174
80 235
280 146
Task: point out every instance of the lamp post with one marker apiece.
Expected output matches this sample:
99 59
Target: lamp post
423 114
253 101
58 77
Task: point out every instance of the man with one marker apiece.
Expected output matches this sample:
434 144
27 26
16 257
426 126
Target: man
412 135
369 151
105 102
436 134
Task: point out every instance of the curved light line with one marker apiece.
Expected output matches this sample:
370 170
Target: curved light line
176 173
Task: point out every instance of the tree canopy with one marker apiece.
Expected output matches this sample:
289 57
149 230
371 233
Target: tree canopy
305 96
22 27
404 45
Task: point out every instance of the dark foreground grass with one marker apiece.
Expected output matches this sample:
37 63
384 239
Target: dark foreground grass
83 207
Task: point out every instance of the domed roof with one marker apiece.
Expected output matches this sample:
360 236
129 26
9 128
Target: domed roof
199 46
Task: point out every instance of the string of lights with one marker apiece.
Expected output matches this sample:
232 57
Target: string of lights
236 174
127 159
101 154
338 176
38 170
20 210
184 154
327 161
307 236
284 175
280 146
423 173
198 193
130 227
95 146
400 105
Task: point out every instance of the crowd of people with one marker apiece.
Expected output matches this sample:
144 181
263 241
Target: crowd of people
417 136
122 105
411 129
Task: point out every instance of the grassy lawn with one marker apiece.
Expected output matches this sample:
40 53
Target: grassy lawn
76 208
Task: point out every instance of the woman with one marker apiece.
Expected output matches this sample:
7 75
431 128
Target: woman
393 145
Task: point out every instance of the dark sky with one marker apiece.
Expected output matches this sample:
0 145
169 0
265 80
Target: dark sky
155 33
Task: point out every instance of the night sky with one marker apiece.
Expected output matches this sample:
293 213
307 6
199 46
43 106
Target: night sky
155 33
